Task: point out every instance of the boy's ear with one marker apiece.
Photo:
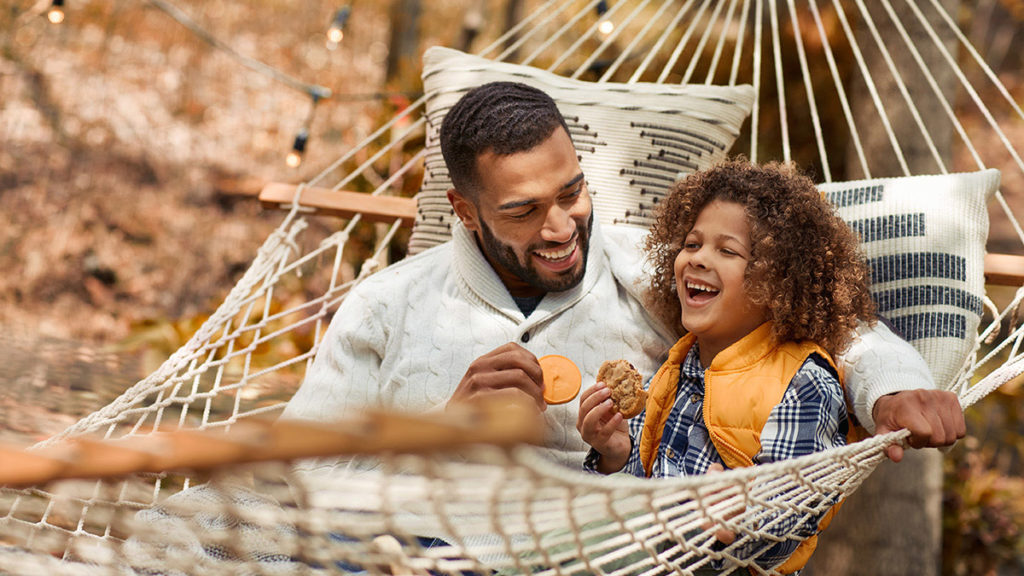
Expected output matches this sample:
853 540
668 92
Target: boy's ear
465 210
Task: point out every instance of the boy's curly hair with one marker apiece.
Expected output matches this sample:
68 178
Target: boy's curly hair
805 267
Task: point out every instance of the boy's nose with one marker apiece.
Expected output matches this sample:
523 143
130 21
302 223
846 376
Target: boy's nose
698 259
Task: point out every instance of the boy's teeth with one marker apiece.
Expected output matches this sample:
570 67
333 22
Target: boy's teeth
559 254
703 287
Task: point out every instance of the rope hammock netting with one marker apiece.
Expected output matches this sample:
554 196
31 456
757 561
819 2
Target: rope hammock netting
850 91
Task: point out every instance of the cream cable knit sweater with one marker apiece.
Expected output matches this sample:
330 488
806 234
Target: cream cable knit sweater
404 337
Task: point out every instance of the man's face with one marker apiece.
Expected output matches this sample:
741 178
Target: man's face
532 216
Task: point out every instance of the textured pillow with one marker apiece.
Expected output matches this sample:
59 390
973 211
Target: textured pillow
634 140
924 238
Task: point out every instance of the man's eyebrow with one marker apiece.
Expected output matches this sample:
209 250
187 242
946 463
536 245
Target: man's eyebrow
518 204
574 181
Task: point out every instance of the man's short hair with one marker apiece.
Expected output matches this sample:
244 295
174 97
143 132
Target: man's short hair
502 117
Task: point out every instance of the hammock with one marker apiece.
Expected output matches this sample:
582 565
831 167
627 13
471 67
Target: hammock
679 84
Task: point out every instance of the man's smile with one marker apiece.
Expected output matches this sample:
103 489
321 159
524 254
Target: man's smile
557 254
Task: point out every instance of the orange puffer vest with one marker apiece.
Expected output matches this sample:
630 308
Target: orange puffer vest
742 386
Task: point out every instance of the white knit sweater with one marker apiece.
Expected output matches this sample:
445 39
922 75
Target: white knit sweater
404 337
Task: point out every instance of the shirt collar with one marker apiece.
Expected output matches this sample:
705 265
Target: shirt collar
691 367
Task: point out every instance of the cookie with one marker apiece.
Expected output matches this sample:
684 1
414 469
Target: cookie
626 386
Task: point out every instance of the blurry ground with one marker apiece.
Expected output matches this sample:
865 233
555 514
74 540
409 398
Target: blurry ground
124 139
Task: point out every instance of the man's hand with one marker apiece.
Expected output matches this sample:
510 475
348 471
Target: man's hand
933 417
508 369
602 426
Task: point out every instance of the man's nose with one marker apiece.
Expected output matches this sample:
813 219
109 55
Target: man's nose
558 226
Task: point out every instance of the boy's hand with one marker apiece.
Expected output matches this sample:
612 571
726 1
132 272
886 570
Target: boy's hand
604 428
933 417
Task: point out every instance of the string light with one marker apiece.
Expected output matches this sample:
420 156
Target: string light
294 158
605 26
298 149
56 12
337 30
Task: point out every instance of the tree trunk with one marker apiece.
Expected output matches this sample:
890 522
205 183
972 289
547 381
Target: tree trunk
472 21
513 14
403 63
892 525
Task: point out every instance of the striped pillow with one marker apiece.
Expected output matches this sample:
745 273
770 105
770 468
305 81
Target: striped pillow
633 140
924 239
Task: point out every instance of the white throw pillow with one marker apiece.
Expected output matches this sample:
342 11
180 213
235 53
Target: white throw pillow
924 239
634 140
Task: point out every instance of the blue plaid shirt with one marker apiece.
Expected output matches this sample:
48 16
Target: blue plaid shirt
811 417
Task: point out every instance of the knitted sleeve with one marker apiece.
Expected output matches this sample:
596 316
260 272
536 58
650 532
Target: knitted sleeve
345 373
877 363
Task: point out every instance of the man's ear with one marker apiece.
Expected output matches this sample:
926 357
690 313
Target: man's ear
465 210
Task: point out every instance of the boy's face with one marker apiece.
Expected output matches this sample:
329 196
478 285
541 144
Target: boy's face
709 279
532 216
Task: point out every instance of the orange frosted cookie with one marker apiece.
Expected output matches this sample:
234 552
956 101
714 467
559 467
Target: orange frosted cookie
562 379
626 386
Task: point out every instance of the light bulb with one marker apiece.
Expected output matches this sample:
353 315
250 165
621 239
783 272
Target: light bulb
606 27
56 13
336 33
294 157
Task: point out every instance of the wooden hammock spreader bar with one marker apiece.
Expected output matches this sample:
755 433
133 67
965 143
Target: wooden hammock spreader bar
501 423
1004 269
341 203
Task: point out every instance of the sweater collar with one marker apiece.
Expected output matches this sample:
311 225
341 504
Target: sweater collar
480 278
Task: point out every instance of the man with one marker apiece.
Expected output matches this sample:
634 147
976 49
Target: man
528 272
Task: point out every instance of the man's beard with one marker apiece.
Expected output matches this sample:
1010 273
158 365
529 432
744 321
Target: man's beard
506 257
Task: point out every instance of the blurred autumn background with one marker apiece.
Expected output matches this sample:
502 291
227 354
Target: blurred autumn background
132 147
131 151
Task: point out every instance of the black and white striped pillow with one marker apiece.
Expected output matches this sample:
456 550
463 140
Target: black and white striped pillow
924 239
633 140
